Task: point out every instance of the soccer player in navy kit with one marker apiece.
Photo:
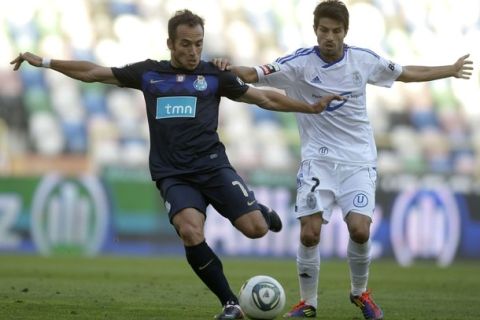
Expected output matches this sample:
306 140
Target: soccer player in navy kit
187 160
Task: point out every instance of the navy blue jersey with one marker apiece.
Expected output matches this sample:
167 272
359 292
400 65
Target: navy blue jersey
182 110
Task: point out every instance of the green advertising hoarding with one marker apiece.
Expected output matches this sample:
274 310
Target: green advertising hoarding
84 215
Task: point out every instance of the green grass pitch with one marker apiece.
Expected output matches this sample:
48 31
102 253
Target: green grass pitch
165 288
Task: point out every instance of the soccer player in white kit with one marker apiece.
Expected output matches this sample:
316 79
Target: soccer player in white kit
337 146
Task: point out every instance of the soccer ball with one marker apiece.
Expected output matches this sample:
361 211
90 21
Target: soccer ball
262 297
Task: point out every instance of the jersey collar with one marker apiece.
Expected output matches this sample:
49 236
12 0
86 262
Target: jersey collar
329 64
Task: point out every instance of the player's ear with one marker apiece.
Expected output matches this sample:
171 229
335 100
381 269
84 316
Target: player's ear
170 44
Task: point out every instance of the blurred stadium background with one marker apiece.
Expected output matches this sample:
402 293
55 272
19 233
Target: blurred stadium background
73 156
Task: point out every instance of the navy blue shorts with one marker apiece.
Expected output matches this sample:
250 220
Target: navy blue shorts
224 189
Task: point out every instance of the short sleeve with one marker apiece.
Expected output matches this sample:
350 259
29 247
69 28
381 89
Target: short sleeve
384 73
130 76
275 74
231 86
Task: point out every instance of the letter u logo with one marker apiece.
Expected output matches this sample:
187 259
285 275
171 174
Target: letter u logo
360 200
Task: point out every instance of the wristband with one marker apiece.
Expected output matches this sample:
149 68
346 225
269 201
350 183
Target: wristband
46 62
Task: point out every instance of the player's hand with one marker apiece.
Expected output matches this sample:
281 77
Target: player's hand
221 63
323 103
31 58
463 67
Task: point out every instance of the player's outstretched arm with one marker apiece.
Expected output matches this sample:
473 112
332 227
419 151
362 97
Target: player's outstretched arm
275 101
462 69
247 74
81 70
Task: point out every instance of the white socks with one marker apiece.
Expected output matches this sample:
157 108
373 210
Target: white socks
359 260
308 267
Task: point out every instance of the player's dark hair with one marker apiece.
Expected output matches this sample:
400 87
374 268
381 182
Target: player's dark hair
183 17
332 9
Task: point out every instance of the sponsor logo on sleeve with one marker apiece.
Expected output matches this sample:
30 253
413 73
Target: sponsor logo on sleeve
270 68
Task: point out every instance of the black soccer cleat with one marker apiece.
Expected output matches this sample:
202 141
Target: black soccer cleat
231 310
273 219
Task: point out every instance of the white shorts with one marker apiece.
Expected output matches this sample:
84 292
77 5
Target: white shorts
322 185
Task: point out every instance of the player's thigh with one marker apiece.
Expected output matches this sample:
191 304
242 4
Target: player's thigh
229 195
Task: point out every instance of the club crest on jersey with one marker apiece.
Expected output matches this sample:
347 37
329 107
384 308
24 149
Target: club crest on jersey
200 84
180 77
270 68
357 78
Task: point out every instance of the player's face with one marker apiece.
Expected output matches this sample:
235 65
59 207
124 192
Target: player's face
330 34
186 48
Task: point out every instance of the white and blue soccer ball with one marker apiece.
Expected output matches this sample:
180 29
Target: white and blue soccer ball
262 297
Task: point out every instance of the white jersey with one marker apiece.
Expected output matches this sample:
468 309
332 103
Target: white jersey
342 133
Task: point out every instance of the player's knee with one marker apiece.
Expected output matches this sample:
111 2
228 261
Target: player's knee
310 229
190 234
310 237
358 227
252 225
359 235
255 231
